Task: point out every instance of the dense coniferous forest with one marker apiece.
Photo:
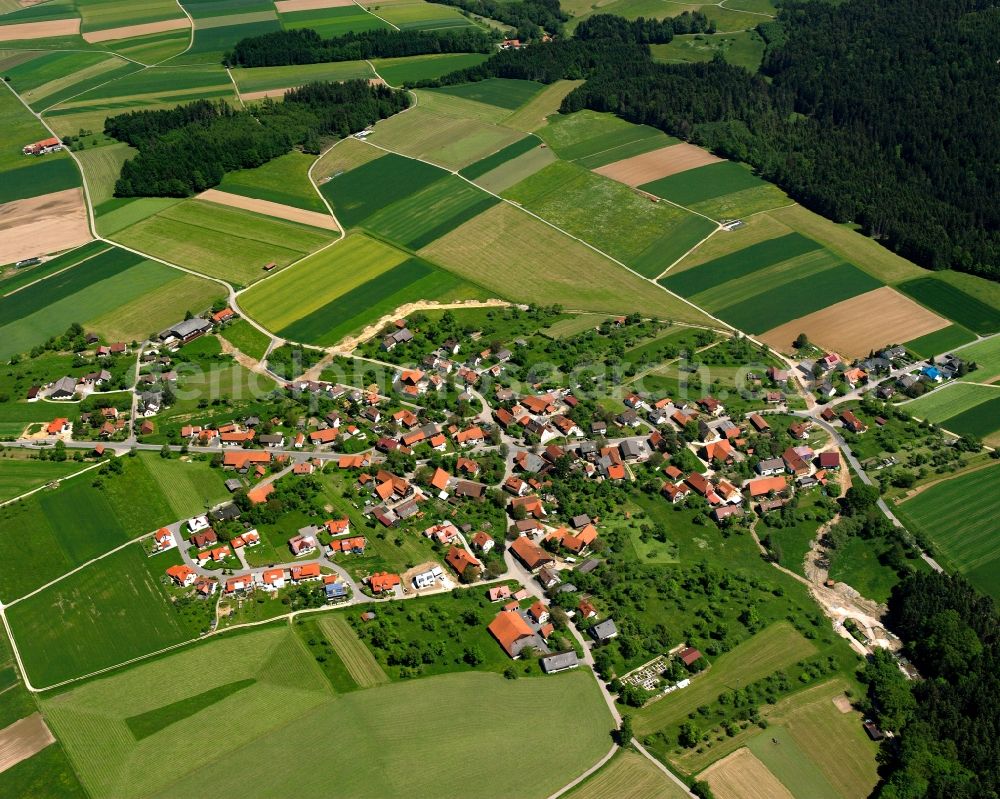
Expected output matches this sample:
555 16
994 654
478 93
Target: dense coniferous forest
883 114
947 725
532 18
305 46
185 150
644 31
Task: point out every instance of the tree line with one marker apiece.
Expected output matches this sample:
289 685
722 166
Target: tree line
881 114
187 149
306 46
531 18
642 30
946 725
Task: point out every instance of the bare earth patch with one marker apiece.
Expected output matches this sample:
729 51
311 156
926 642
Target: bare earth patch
41 225
268 208
859 325
842 703
127 32
742 776
22 739
657 164
286 6
39 30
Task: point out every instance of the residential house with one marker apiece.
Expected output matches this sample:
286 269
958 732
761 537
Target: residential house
852 422
530 554
383 582
561 662
482 541
604 631
463 562
306 572
302 544
513 633
182 575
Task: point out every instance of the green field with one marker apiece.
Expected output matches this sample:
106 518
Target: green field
502 92
778 751
246 338
99 285
283 180
447 131
421 16
20 475
211 43
595 139
745 49
512 172
120 213
46 775
329 22
266 78
941 341
726 18
610 216
156 85
113 610
222 242
288 700
952 302
22 277
102 166
958 516
397 71
101 14
760 295
741 263
50 78
986 356
430 213
356 657
704 183
859 564
500 157
76 521
549 270
776 647
371 280
359 193
950 400
153 48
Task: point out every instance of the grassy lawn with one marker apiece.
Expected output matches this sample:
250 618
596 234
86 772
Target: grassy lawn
18 475
776 647
246 338
502 92
958 516
744 49
115 609
548 272
857 564
986 355
289 698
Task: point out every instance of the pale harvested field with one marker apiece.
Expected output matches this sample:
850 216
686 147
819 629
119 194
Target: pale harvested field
286 6
22 739
40 225
39 30
859 325
657 164
268 208
345 155
128 31
628 776
265 93
742 776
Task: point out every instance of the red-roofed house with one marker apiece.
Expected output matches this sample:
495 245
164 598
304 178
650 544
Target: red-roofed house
382 582
511 632
307 571
182 575
461 560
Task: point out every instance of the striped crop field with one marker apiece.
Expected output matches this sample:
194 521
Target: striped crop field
357 658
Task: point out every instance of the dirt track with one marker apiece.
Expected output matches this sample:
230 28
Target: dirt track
42 225
268 208
40 30
859 325
22 739
657 164
127 32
